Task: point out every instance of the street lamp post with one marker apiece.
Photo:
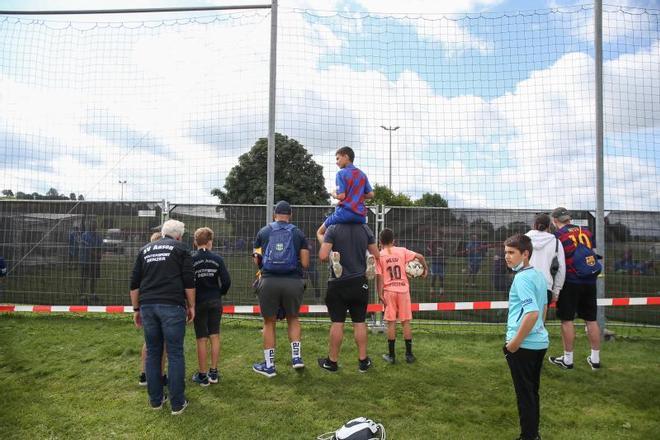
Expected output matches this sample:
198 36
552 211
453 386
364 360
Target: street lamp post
122 183
390 129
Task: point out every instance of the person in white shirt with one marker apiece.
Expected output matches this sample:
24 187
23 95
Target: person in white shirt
546 248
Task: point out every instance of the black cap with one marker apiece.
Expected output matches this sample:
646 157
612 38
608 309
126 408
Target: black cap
283 207
561 214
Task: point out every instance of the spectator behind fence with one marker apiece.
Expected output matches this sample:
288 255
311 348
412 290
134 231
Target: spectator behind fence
74 243
475 251
348 290
436 254
548 257
578 294
91 251
212 282
163 296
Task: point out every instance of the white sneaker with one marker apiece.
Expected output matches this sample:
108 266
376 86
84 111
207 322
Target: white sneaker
336 267
370 273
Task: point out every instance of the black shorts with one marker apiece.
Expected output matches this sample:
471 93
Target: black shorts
580 298
549 297
207 318
276 292
351 295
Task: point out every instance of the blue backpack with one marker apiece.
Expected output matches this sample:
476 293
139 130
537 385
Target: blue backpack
280 255
585 261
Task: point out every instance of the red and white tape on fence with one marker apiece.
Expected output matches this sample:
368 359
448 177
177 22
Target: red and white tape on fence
319 309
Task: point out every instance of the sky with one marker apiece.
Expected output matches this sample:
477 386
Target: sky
493 99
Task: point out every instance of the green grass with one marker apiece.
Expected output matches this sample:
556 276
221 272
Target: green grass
68 376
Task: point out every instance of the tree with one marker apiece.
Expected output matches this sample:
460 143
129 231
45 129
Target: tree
7 193
433 200
385 196
72 196
298 179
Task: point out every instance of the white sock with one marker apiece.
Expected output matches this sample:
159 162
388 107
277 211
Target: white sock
595 356
295 349
269 357
568 357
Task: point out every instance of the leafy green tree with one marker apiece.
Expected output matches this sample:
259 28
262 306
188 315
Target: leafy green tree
8 193
385 196
432 200
298 179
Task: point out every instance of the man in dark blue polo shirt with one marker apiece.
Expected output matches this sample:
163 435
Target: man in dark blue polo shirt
284 254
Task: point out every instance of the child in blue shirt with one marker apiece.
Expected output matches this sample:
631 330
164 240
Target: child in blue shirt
526 336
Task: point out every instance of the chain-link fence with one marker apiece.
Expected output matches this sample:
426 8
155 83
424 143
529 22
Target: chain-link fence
46 246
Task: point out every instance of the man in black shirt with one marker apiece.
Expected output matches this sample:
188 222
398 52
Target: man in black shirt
163 294
350 290
211 283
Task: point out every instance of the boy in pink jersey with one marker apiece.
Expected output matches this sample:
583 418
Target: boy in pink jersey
394 291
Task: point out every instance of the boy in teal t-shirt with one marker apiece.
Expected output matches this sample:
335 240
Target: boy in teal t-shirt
526 336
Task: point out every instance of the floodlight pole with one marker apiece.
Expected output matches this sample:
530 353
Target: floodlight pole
600 174
270 170
390 129
122 183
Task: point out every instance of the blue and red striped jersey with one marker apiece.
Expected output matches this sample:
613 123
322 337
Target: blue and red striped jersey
352 182
570 236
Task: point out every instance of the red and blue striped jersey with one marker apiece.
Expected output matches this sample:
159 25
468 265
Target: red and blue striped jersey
570 236
352 182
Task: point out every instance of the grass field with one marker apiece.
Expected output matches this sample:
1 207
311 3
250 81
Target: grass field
68 376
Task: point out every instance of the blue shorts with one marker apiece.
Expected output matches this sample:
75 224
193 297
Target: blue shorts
343 216
437 269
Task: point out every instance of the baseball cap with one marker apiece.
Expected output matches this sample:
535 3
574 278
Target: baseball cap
283 207
561 214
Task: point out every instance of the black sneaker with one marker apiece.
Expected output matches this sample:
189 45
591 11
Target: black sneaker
177 411
594 365
410 358
559 361
159 406
142 381
213 375
389 359
201 379
328 365
364 365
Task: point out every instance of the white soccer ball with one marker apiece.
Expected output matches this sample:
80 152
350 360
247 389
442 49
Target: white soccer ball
414 269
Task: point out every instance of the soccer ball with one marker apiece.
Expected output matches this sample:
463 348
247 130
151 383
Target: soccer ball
414 269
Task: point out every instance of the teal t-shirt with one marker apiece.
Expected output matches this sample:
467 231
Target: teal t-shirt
528 294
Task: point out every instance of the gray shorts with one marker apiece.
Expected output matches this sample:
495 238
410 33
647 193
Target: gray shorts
276 292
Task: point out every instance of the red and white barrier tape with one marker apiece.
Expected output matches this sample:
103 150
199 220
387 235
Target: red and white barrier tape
312 309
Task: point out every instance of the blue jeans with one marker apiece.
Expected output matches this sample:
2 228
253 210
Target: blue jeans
165 323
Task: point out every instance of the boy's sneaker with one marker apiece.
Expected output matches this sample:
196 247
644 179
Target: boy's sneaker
370 273
336 267
364 365
594 365
260 367
297 363
328 365
177 411
157 407
213 375
410 358
142 381
201 379
559 361
389 359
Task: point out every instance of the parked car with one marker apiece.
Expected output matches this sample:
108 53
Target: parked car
114 241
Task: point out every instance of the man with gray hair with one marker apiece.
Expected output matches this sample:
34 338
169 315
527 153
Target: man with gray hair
163 295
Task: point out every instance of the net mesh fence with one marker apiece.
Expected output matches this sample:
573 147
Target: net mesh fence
144 117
